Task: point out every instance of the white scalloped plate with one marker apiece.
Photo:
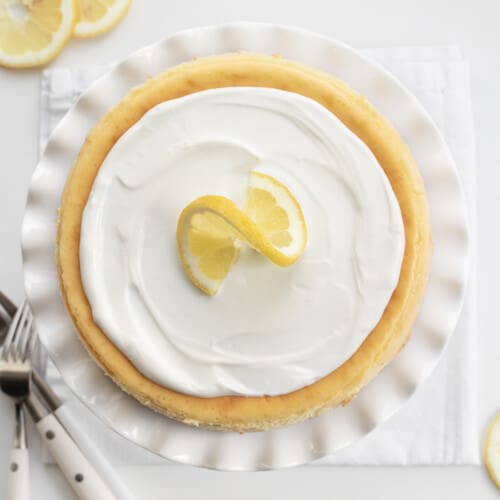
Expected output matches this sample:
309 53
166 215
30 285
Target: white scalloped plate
335 429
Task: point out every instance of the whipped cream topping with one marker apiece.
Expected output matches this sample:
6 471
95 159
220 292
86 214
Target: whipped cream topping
269 330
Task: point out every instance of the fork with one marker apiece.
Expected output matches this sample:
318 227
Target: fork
19 466
15 380
19 476
62 413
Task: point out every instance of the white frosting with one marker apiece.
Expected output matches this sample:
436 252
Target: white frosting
269 330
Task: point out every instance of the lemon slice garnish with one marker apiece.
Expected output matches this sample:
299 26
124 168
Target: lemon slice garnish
492 451
212 229
95 17
32 32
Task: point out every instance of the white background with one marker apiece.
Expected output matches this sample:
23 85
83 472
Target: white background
475 27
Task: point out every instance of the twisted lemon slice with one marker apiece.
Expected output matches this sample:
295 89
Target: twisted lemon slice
211 230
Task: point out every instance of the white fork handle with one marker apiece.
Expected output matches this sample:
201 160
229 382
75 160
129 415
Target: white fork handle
94 455
19 475
82 477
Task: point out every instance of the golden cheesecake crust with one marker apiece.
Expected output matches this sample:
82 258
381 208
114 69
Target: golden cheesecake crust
239 413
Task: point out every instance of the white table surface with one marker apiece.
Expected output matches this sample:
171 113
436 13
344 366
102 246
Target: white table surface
474 26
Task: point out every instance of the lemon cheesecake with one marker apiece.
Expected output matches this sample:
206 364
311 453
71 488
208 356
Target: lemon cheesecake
243 242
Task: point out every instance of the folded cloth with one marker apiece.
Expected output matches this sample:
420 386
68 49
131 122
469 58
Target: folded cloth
438 425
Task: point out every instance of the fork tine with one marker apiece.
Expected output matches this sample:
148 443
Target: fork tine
7 304
20 333
11 334
26 343
32 340
38 356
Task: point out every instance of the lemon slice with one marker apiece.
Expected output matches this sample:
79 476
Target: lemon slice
492 451
32 32
212 229
98 16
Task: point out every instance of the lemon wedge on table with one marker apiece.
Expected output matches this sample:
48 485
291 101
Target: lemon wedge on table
212 229
492 450
96 17
32 32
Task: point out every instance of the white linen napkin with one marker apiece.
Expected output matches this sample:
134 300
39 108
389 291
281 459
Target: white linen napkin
439 424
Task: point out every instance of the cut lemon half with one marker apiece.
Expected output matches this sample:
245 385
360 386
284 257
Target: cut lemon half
492 450
32 32
96 17
212 229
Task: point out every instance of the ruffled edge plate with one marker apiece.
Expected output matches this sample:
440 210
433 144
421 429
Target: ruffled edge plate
314 438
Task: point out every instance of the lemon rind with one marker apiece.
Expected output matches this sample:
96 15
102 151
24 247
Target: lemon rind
83 29
495 475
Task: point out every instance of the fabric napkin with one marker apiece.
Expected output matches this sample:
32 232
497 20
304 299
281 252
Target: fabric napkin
439 424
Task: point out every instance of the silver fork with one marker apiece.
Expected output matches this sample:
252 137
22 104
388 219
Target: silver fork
16 383
15 380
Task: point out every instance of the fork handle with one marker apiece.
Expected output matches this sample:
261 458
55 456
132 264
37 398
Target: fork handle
19 475
82 477
92 452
